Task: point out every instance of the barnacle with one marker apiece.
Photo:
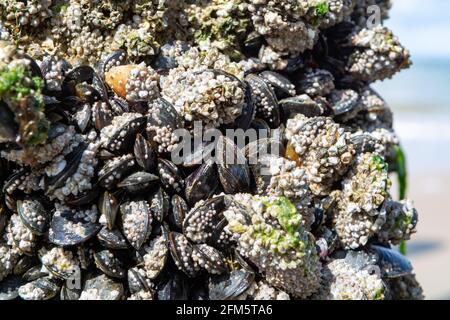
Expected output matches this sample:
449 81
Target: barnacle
364 189
320 146
96 99
270 233
378 56
345 280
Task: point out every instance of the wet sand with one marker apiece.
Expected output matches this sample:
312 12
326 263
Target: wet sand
429 248
429 186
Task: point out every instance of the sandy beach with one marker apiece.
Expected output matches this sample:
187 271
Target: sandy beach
426 141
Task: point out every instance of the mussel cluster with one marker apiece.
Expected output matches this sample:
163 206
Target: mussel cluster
95 206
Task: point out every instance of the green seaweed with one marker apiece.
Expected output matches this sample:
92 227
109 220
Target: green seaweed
320 11
402 176
401 170
20 90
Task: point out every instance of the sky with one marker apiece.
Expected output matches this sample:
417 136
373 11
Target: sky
423 26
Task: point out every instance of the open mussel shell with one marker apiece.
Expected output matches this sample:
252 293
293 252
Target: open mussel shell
109 206
112 239
159 204
234 173
230 286
144 153
139 182
33 215
66 229
170 176
179 211
9 288
392 263
265 100
202 183
102 288
48 287
302 104
109 264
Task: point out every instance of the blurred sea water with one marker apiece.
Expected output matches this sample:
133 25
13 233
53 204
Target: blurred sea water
420 99
424 88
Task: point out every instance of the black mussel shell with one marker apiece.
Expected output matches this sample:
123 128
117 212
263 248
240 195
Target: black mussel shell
109 206
283 86
66 229
33 215
234 173
265 100
109 264
181 251
139 182
47 285
391 262
174 286
159 204
114 170
179 211
302 104
230 286
123 139
144 153
9 288
202 183
170 176
73 160
8 126
112 239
